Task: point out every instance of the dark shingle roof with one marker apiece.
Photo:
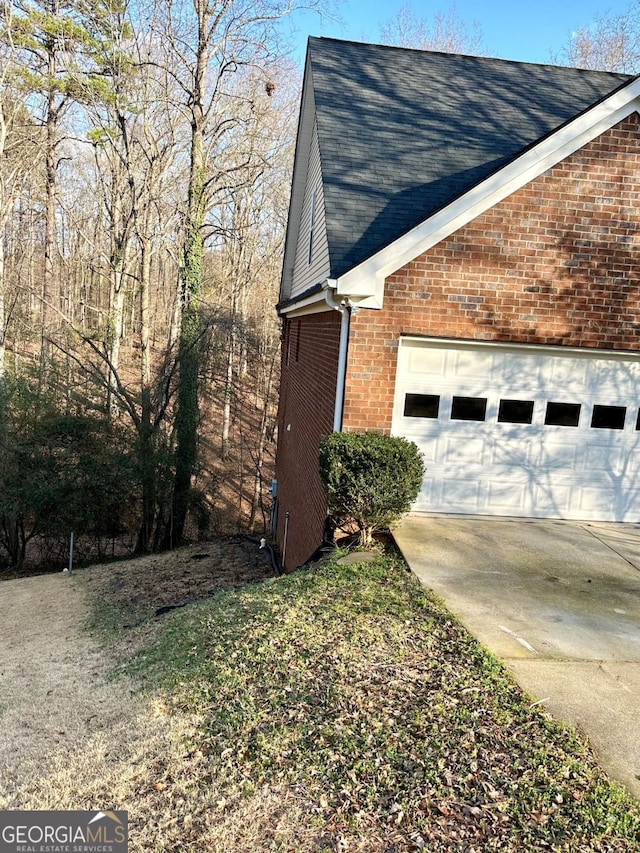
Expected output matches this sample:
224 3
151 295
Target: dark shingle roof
404 132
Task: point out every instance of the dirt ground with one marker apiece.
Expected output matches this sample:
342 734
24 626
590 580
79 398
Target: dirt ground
56 700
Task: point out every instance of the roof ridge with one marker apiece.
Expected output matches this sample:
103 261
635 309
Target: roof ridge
487 59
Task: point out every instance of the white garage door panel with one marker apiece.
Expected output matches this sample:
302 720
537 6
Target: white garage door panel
433 363
508 496
569 374
459 493
529 470
511 380
607 460
591 498
511 453
466 365
552 499
463 451
559 456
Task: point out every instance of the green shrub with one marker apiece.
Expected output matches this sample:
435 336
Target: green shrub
370 479
59 472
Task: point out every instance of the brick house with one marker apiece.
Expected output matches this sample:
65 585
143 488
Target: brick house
462 268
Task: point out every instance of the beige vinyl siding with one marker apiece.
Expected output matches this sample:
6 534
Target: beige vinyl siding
307 274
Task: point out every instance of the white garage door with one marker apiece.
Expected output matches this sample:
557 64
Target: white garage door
522 431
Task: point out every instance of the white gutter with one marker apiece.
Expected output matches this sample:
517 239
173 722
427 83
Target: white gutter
345 310
308 305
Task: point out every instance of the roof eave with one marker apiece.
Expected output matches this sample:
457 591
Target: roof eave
303 302
322 297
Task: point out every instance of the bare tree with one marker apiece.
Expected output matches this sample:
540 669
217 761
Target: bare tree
172 141
54 44
611 43
243 283
19 152
211 42
445 32
135 147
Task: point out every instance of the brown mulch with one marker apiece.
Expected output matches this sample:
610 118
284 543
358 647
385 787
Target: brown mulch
182 576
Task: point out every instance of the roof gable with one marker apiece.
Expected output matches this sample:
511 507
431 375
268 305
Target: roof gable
403 133
366 281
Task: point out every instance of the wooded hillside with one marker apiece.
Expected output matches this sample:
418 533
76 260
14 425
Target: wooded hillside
145 152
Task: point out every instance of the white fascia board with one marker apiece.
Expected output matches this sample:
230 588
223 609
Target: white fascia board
323 300
368 277
551 349
365 293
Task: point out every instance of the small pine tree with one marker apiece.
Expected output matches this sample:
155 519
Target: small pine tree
370 479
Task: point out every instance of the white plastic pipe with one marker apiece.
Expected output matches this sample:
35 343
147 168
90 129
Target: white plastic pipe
71 538
342 367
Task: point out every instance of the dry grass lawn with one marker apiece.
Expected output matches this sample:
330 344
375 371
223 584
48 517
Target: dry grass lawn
71 737
339 709
55 698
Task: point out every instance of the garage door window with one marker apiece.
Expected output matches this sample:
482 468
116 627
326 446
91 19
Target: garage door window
515 411
421 405
562 414
608 417
468 408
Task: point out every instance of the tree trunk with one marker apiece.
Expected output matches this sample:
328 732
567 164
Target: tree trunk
189 348
116 314
147 438
3 322
15 542
262 443
47 311
3 224
228 388
186 420
257 481
366 536
146 456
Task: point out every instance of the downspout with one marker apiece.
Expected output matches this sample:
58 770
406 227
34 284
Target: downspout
345 310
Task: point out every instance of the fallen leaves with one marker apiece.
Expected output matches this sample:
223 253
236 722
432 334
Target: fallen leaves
356 695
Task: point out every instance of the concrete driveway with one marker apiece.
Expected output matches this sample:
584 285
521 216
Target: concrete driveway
559 603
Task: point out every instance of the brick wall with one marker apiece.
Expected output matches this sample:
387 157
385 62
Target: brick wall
557 262
307 395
